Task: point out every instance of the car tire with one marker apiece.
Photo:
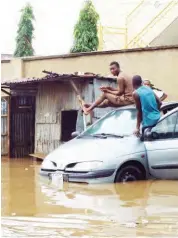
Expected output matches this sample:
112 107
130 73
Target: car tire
129 173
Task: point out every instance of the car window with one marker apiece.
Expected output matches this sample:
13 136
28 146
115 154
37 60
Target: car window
120 122
176 129
166 127
166 109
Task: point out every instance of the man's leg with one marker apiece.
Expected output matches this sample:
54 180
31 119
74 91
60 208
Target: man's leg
143 131
105 100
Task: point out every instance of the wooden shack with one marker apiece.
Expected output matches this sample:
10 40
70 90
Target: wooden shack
43 112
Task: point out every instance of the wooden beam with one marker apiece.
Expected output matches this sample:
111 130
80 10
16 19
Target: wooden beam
4 91
87 119
5 86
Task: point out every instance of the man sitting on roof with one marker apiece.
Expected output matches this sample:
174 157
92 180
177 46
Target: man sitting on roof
114 97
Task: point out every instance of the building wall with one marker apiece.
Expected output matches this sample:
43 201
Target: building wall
157 64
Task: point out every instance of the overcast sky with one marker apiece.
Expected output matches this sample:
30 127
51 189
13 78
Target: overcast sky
54 24
55 20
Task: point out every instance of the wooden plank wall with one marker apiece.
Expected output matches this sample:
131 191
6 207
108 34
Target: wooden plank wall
54 97
51 99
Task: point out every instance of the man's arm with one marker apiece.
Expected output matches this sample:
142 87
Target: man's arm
112 89
164 96
159 103
109 89
120 90
121 86
139 113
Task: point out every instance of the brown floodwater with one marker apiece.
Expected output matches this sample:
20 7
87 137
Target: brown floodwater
32 207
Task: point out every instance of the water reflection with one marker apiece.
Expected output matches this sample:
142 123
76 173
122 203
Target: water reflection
33 206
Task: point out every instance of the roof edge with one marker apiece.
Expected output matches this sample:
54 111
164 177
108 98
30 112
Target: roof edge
55 77
71 55
5 60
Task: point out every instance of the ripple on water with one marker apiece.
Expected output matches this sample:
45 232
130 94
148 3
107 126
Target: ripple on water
35 209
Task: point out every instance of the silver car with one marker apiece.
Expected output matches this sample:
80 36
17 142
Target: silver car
108 152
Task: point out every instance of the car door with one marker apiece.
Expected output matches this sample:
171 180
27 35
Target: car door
162 151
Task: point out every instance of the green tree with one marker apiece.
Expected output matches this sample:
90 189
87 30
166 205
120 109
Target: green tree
25 33
85 31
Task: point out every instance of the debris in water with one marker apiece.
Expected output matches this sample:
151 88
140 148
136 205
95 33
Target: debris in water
131 225
144 221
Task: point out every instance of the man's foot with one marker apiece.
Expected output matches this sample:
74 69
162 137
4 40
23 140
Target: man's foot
87 105
86 110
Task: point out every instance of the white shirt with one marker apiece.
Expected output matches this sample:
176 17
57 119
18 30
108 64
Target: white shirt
158 93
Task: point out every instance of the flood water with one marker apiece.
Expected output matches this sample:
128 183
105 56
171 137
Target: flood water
32 207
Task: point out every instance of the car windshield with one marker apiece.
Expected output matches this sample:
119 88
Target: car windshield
121 122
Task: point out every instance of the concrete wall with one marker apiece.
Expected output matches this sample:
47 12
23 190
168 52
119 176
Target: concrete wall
160 65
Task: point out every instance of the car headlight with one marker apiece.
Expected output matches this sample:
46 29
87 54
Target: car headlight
84 166
47 164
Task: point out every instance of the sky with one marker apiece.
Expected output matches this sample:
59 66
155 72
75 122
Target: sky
55 20
53 25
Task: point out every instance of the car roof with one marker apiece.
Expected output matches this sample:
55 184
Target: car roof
171 111
164 104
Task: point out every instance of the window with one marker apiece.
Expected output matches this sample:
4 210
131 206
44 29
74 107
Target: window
168 108
4 106
176 129
120 122
68 124
166 128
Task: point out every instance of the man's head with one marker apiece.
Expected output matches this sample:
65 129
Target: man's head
137 81
115 68
148 83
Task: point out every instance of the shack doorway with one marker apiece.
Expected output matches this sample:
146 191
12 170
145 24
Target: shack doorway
22 127
68 124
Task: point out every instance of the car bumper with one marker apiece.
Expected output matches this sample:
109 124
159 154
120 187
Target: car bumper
99 176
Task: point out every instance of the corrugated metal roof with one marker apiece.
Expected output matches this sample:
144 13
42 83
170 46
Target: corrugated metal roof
6 56
55 77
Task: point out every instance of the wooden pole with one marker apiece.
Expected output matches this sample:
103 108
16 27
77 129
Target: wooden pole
81 101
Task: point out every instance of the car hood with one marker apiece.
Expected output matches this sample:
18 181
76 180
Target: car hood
86 149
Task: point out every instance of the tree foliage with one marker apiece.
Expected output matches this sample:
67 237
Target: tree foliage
85 31
25 33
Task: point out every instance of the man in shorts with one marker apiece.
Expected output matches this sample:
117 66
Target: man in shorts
114 97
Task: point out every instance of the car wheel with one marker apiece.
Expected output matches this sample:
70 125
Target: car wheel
129 173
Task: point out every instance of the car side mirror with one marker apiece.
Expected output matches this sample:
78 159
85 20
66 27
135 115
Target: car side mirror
75 134
150 135
154 135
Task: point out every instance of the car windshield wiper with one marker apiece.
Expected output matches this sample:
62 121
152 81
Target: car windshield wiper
93 135
102 135
107 135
